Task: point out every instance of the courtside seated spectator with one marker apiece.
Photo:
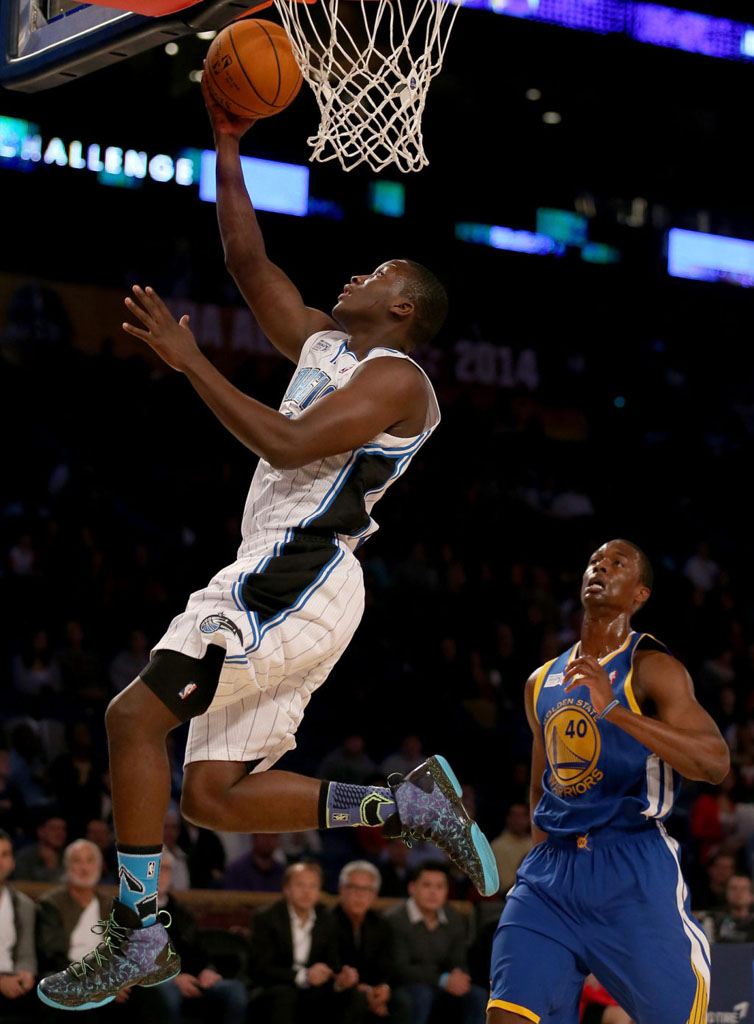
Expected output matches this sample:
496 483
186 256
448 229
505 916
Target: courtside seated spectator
68 913
294 954
365 940
431 970
18 958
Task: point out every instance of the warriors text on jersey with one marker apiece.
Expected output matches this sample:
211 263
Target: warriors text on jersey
597 775
335 494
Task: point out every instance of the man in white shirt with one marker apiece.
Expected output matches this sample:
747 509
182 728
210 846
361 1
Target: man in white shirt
18 958
68 913
294 954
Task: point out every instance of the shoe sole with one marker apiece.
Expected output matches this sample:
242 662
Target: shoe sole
450 787
147 983
84 1006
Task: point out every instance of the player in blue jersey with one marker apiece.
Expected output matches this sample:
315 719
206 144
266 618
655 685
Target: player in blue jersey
615 726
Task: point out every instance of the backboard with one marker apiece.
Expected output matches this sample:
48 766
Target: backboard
44 43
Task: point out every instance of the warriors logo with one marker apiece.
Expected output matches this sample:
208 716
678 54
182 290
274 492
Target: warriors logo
214 622
572 742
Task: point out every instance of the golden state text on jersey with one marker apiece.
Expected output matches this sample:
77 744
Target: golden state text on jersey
596 774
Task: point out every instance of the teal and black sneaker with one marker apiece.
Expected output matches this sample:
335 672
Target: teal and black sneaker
429 807
126 955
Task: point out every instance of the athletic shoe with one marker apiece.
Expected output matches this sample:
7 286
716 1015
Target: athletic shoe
126 955
429 807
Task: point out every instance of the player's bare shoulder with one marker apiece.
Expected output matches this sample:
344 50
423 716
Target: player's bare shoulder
657 674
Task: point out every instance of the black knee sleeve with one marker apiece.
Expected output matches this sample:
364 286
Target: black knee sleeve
186 686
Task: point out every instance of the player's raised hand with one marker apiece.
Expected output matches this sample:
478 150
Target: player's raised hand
223 123
171 339
587 671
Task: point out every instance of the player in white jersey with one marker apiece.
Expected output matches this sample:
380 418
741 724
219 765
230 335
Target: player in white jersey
243 659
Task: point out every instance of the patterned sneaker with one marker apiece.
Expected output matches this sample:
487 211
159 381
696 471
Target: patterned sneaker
126 955
429 807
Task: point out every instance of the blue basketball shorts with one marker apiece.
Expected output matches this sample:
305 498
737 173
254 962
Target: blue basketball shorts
613 904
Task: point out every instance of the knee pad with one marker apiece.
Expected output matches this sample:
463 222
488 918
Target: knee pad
186 686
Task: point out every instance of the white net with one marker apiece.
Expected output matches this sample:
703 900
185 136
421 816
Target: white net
369 63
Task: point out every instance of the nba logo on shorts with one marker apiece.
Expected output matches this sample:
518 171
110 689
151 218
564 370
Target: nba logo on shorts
150 869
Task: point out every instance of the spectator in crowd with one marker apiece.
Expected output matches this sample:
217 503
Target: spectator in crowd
101 834
129 661
710 894
28 765
701 570
68 913
260 869
11 803
349 762
394 869
75 779
735 922
199 985
80 669
294 954
43 860
512 845
172 833
18 958
431 971
365 939
35 669
206 857
406 758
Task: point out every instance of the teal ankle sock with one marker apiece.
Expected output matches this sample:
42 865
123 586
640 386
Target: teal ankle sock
139 873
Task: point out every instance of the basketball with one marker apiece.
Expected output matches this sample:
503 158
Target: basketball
251 70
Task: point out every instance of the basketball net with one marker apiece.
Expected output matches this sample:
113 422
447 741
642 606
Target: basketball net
370 87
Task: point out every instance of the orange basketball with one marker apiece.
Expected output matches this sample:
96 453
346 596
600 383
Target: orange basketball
251 70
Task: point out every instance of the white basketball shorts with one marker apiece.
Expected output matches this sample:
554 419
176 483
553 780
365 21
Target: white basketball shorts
284 614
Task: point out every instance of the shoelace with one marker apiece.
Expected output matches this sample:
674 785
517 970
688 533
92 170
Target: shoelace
112 935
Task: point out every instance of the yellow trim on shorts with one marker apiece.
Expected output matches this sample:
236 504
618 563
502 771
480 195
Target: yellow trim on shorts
698 1013
514 1008
538 687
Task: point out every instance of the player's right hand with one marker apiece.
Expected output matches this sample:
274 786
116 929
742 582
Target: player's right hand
223 123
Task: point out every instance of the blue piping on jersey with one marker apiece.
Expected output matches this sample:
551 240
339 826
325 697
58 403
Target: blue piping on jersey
345 472
259 632
398 470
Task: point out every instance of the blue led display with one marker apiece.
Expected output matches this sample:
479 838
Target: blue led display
685 30
499 237
656 24
273 186
702 257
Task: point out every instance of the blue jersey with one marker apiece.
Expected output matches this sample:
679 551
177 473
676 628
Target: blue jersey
597 776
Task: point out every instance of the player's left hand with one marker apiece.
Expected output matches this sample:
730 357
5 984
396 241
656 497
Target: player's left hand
171 340
587 671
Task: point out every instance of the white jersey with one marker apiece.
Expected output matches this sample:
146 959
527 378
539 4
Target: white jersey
335 494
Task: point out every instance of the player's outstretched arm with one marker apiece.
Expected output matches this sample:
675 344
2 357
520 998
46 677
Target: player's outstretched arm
271 295
383 394
538 759
682 733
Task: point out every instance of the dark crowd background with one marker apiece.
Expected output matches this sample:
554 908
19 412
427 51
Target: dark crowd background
629 412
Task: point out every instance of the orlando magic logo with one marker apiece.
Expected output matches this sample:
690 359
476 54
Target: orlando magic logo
214 622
